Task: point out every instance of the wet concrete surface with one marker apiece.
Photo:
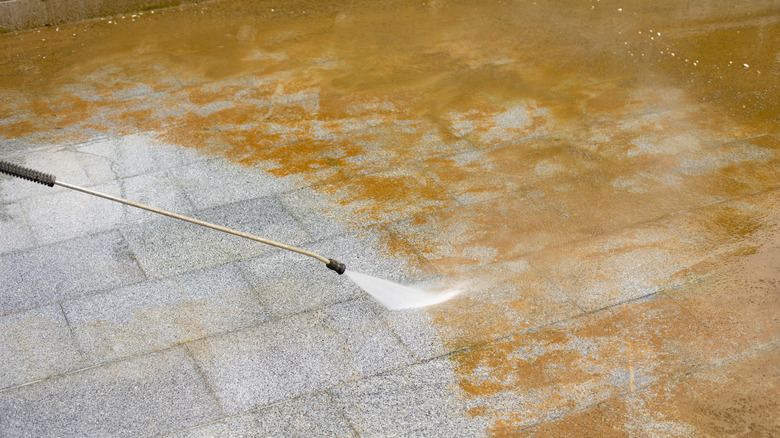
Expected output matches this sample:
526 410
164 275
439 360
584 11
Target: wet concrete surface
602 178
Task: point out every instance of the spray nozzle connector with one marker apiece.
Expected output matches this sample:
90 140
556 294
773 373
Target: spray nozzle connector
337 266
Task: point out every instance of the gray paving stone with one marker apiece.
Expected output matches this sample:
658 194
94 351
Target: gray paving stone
312 415
274 275
144 396
288 358
274 362
168 246
111 158
157 189
59 216
158 314
308 207
44 275
63 163
419 400
289 283
374 347
35 344
216 182
13 227
415 328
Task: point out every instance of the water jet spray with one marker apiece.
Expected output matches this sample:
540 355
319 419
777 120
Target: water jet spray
392 295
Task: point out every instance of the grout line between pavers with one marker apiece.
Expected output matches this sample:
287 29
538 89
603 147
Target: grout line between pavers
90 367
26 219
72 333
251 287
398 338
186 346
341 411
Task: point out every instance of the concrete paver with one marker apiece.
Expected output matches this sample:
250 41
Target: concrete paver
48 274
312 415
15 228
413 401
59 216
744 383
37 344
118 399
291 357
166 246
157 315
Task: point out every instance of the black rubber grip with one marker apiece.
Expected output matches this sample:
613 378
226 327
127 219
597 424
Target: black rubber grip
25 173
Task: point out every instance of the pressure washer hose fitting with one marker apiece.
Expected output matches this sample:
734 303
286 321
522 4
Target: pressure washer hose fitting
339 267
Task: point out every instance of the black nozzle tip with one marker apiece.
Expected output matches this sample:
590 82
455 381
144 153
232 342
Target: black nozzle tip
336 266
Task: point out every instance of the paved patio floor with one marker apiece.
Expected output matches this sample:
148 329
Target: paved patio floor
600 178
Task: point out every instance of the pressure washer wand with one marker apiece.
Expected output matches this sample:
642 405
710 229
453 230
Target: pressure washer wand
49 180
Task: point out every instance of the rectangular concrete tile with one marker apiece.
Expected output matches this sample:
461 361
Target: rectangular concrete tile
147 395
217 182
732 398
733 286
168 246
288 358
60 216
155 315
44 275
642 138
415 328
157 189
374 347
309 208
495 301
290 283
312 415
63 163
419 400
14 229
130 155
739 306
35 344
544 374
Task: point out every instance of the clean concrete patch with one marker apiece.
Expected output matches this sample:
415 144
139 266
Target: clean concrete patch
312 415
147 395
158 314
291 357
167 246
65 270
36 344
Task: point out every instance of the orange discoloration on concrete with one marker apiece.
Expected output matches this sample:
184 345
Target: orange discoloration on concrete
736 398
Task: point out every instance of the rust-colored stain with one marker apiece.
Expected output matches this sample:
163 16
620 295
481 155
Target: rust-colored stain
557 156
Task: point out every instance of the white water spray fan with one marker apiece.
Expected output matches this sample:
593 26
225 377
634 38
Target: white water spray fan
394 296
